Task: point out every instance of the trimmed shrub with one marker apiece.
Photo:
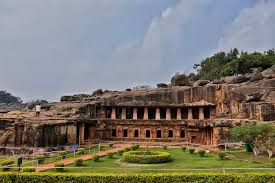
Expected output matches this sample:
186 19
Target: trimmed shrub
183 148
6 163
191 151
221 155
201 153
96 158
127 149
28 169
146 157
59 166
120 152
111 145
111 155
78 161
40 159
164 147
135 147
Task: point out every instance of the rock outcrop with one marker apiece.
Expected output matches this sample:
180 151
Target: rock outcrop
180 80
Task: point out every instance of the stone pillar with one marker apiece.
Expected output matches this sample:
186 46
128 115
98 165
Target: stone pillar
190 114
178 113
157 114
168 113
123 115
72 134
81 133
201 114
145 116
135 113
113 116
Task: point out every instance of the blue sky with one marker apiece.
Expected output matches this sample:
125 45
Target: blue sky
53 48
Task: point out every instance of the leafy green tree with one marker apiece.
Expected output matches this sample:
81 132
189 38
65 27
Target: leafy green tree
8 98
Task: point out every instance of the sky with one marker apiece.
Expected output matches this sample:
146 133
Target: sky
50 48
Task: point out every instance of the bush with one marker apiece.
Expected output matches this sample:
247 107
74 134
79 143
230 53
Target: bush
6 163
221 155
146 157
135 147
111 145
78 161
201 153
191 151
164 147
127 149
40 159
110 155
120 152
273 162
59 166
28 169
183 148
96 158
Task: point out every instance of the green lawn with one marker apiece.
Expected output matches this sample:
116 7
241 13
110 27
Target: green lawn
181 160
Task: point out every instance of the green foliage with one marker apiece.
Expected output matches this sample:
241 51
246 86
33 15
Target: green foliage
135 147
111 145
146 157
28 169
120 152
8 98
191 151
96 158
201 153
150 178
183 148
164 147
221 155
259 135
59 166
229 63
6 163
273 162
127 149
78 161
40 159
110 155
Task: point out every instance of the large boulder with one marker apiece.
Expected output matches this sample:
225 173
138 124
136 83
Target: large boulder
235 79
269 73
97 92
254 97
217 81
180 80
162 85
200 83
256 75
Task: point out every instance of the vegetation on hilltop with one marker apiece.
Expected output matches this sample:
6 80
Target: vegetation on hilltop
8 98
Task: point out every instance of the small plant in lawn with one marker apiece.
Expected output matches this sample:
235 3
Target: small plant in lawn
78 161
96 158
6 163
134 147
40 159
273 162
221 155
201 153
183 148
164 147
111 155
191 151
59 166
28 169
127 149
111 145
120 152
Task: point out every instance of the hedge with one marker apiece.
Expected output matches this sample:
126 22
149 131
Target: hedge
150 178
146 157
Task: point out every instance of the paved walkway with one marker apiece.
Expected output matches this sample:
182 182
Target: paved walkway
69 161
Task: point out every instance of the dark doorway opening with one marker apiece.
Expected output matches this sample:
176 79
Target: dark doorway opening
113 132
193 139
170 134
173 113
184 113
158 133
86 131
129 113
206 112
108 112
136 133
140 113
152 113
125 132
162 113
182 133
195 112
118 113
148 133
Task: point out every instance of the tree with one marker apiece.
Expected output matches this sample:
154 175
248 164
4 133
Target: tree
8 98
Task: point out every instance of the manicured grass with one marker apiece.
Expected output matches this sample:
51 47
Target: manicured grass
181 160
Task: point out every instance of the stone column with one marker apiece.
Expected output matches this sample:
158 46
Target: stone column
190 114
201 114
113 116
157 114
81 133
145 116
123 115
135 113
168 113
178 113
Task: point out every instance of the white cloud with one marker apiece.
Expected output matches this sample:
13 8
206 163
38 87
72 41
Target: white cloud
252 30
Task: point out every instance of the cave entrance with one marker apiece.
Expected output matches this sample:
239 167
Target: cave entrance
173 113
195 112
158 133
184 113
86 131
162 113
140 112
206 112
129 113
118 113
152 113
108 112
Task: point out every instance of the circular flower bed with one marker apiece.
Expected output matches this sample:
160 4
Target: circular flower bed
146 157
